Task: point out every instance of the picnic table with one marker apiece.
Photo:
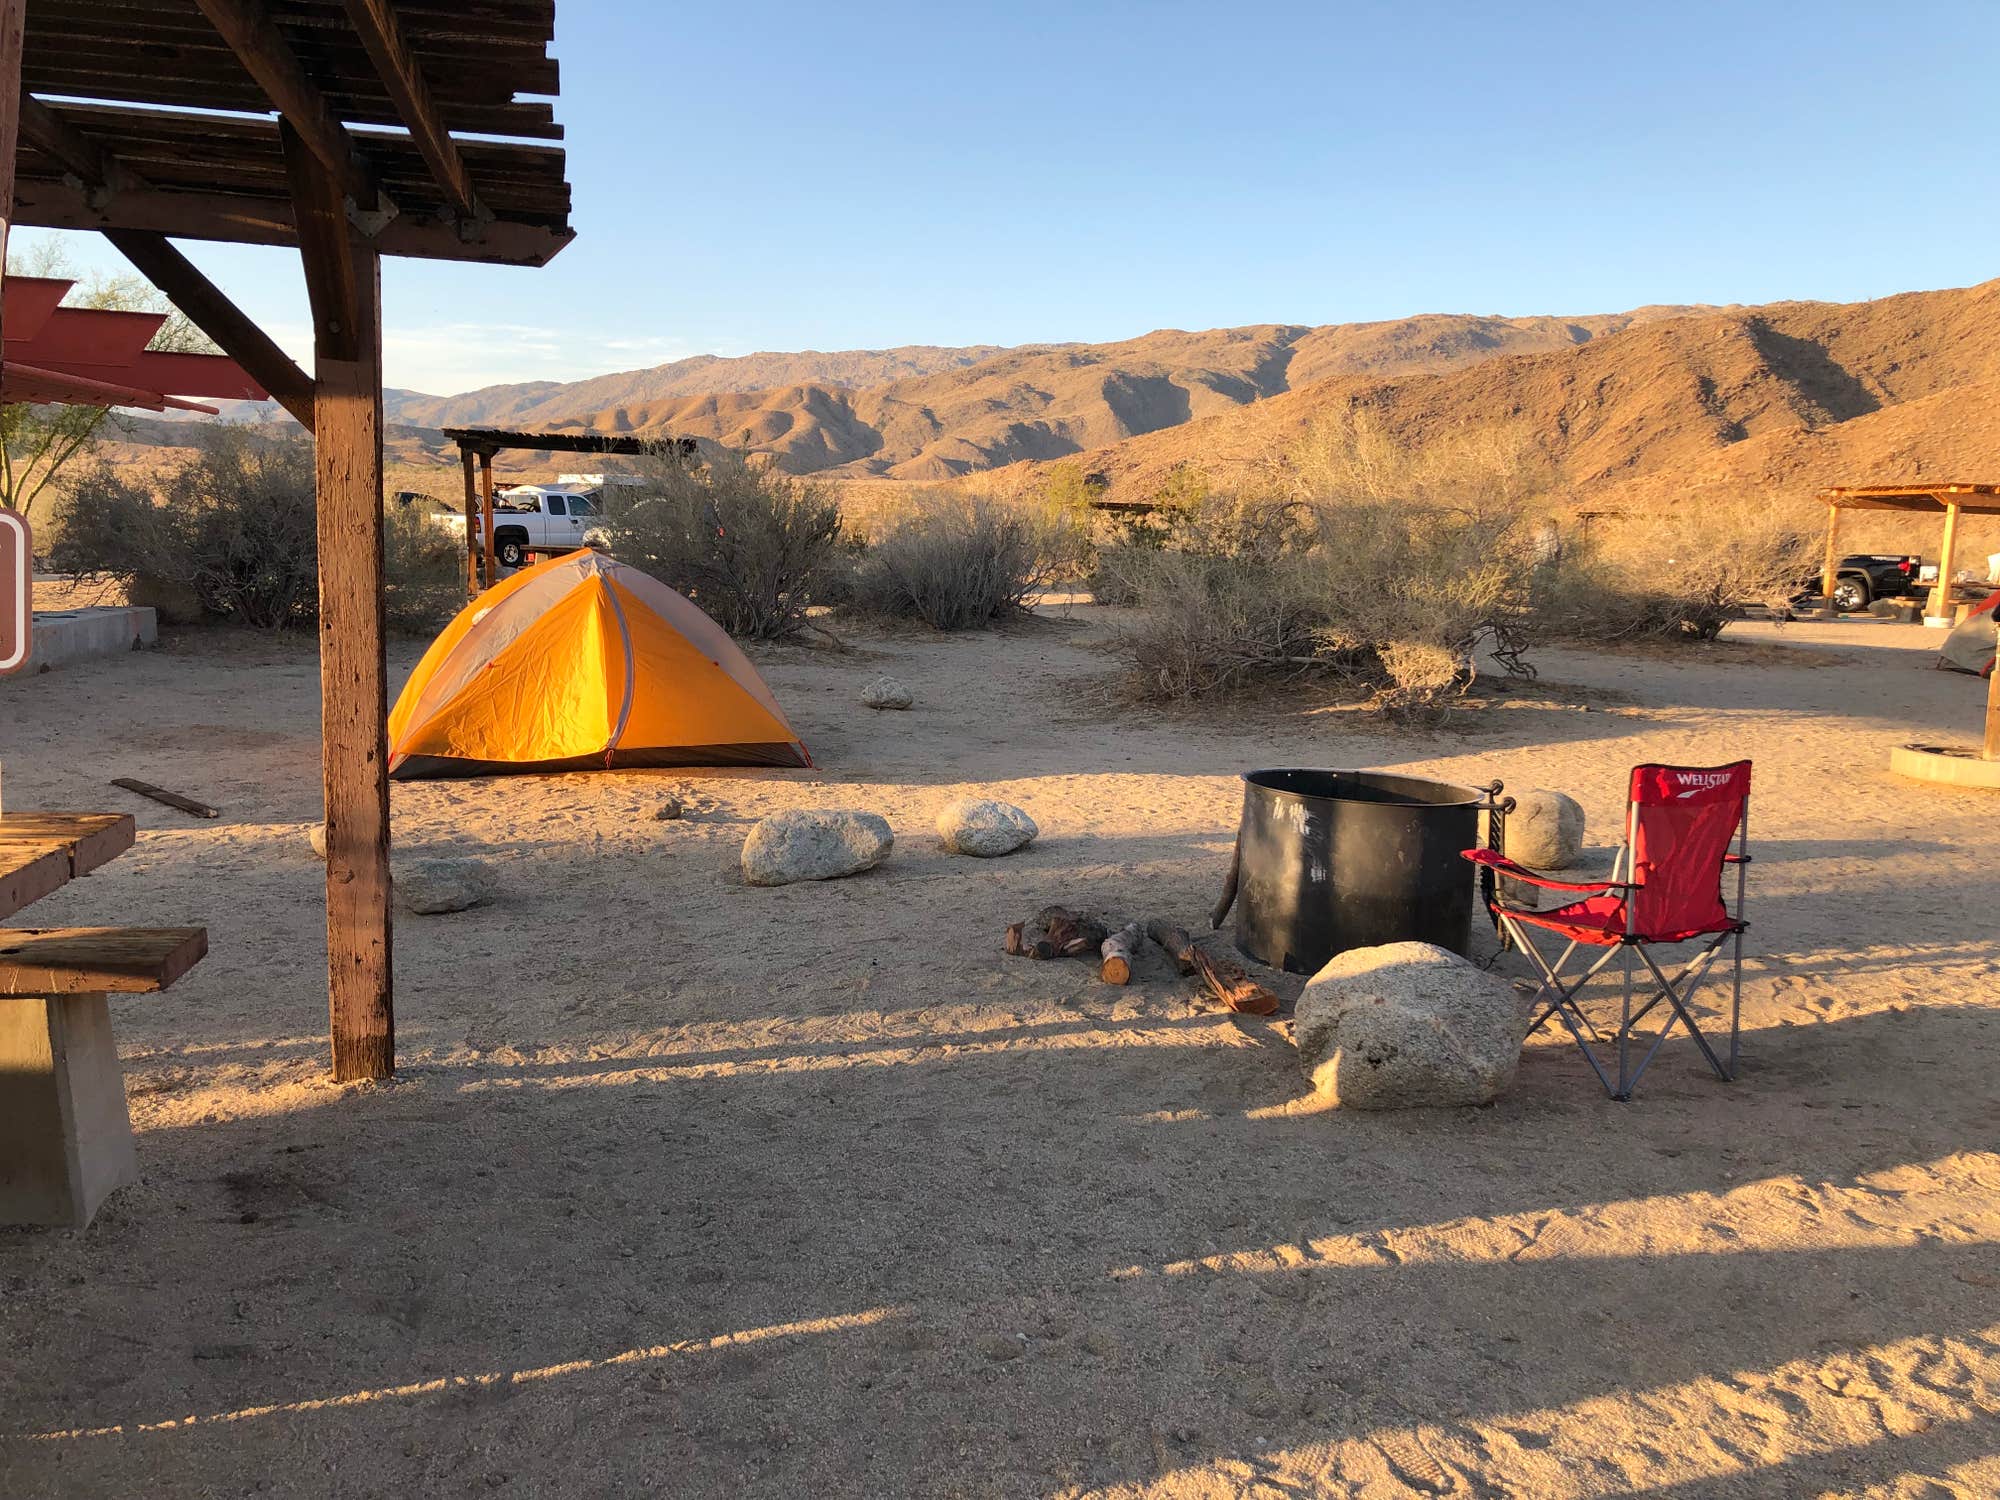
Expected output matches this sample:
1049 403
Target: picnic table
65 1134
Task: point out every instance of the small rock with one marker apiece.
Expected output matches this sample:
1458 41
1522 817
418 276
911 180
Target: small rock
316 836
1545 829
1407 1026
984 828
670 809
886 692
441 883
815 844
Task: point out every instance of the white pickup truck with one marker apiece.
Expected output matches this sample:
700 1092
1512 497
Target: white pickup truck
546 518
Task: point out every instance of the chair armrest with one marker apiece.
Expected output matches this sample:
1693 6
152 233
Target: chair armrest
1736 859
1505 866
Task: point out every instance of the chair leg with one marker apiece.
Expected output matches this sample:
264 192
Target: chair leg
1681 1012
1736 1003
1625 1034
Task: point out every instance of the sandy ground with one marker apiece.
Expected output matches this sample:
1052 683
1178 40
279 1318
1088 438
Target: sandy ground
690 1188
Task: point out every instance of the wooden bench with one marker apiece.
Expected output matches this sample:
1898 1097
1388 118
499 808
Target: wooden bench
65 1134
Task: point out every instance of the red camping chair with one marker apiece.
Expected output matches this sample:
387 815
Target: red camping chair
1665 889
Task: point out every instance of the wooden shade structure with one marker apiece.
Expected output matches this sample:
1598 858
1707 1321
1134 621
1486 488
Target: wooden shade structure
477 445
337 127
1949 501
1919 498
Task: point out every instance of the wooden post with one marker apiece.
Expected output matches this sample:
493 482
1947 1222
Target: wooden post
1991 749
1830 569
486 510
471 526
344 282
13 27
1947 550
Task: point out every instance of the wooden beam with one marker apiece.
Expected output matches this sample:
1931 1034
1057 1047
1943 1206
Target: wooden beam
247 27
1947 560
215 315
344 283
1830 567
382 36
242 219
13 32
160 263
486 515
93 166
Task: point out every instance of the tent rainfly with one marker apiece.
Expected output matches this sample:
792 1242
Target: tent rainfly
581 663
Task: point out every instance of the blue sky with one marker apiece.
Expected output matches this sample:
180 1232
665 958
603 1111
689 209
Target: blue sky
784 176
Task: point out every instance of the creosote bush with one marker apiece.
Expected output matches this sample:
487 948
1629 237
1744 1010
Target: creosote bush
753 546
233 529
1390 601
423 570
1393 572
1674 575
957 566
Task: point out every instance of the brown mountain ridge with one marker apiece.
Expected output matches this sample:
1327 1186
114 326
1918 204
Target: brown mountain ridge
1784 395
953 412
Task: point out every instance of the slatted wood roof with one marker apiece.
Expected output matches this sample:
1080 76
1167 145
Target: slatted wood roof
491 440
1916 495
161 116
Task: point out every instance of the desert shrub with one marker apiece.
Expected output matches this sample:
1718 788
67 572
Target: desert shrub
1197 521
233 526
423 571
1680 574
1354 455
1208 623
753 546
233 531
957 566
1393 601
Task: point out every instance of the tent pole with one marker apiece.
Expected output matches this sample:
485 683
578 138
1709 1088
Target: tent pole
1941 595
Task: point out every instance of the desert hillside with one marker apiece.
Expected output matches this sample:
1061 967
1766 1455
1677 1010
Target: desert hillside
1631 407
537 403
1049 402
1788 395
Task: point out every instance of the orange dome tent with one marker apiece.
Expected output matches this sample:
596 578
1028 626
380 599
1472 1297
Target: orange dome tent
581 663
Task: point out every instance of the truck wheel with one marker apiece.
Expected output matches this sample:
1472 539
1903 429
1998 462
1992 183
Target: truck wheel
1850 594
511 551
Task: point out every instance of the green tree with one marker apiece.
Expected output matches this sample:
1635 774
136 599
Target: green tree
36 442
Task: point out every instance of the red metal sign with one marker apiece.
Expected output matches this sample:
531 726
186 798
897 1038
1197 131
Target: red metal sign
17 589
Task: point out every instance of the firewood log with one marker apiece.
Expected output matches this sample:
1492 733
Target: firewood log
1226 979
1175 940
1118 952
1056 932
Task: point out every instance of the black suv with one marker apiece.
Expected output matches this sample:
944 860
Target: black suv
1864 577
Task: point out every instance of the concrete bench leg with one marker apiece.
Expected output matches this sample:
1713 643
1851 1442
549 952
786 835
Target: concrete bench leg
65 1135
